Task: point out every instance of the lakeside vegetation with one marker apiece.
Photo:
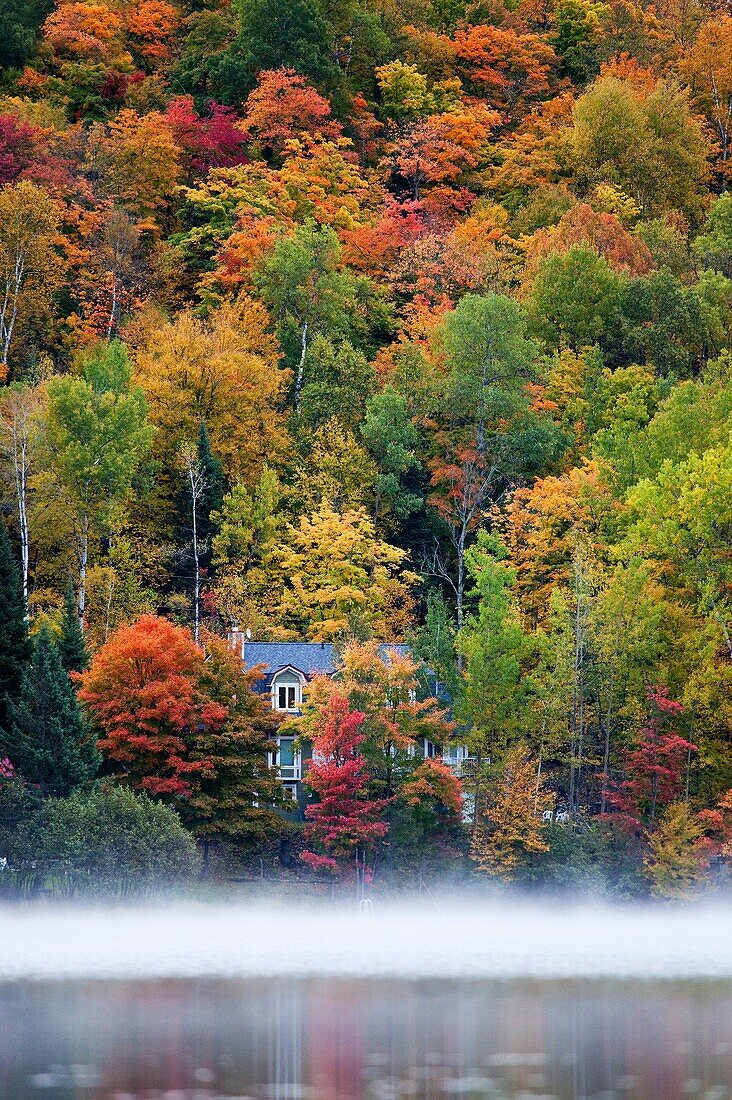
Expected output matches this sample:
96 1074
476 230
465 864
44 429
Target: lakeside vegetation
358 322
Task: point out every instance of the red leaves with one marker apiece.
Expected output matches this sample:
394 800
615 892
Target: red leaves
284 106
212 140
344 818
509 65
654 766
143 692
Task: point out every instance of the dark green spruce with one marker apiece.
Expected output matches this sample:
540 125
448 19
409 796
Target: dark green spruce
15 646
71 645
47 739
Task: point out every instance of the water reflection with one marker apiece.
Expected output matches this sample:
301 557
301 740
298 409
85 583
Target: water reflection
365 1040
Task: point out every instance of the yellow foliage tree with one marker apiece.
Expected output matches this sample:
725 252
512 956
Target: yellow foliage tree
139 160
29 264
341 578
223 372
673 864
509 819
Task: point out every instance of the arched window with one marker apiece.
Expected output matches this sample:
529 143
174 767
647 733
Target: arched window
287 685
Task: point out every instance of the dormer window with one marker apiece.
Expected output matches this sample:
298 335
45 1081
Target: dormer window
287 688
286 697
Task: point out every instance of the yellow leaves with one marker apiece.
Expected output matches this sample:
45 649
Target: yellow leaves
341 576
139 159
509 817
673 865
223 371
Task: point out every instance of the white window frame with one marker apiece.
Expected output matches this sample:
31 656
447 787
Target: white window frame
287 687
293 772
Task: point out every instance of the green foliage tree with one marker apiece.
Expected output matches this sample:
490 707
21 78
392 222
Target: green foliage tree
577 301
395 443
113 839
97 435
488 435
47 739
714 244
275 34
303 283
20 21
494 647
645 140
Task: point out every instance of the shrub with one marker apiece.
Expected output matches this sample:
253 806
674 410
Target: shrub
112 840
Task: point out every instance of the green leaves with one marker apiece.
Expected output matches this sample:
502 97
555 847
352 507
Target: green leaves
97 434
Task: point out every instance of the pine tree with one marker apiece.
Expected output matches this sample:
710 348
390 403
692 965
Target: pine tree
71 646
48 741
14 642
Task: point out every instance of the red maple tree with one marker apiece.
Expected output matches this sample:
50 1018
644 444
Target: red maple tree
345 819
654 766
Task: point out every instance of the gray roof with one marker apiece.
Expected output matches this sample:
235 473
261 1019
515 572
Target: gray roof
307 657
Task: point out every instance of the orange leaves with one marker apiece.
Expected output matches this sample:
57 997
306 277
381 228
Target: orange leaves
439 148
541 526
91 30
582 225
509 826
152 25
284 106
143 692
434 781
95 31
511 67
709 67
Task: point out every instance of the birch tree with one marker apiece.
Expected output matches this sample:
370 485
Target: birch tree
20 413
97 436
29 221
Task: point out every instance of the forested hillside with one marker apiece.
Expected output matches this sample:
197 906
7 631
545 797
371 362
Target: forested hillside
361 319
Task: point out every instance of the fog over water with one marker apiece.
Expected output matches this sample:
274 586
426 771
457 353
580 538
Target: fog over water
505 999
460 939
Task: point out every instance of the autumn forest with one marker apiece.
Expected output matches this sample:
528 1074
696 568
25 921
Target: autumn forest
361 322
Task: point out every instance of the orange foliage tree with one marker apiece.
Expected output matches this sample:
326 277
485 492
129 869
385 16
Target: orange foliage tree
604 233
143 692
282 106
512 68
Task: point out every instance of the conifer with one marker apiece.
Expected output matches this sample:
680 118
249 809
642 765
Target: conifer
14 642
71 645
48 741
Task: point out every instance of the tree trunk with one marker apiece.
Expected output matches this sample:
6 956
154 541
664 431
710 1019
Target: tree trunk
196 569
299 380
83 564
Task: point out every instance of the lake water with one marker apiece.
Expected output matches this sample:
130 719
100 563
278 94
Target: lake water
303 1004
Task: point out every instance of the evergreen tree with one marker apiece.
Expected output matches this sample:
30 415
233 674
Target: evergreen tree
71 646
14 642
47 740
275 34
